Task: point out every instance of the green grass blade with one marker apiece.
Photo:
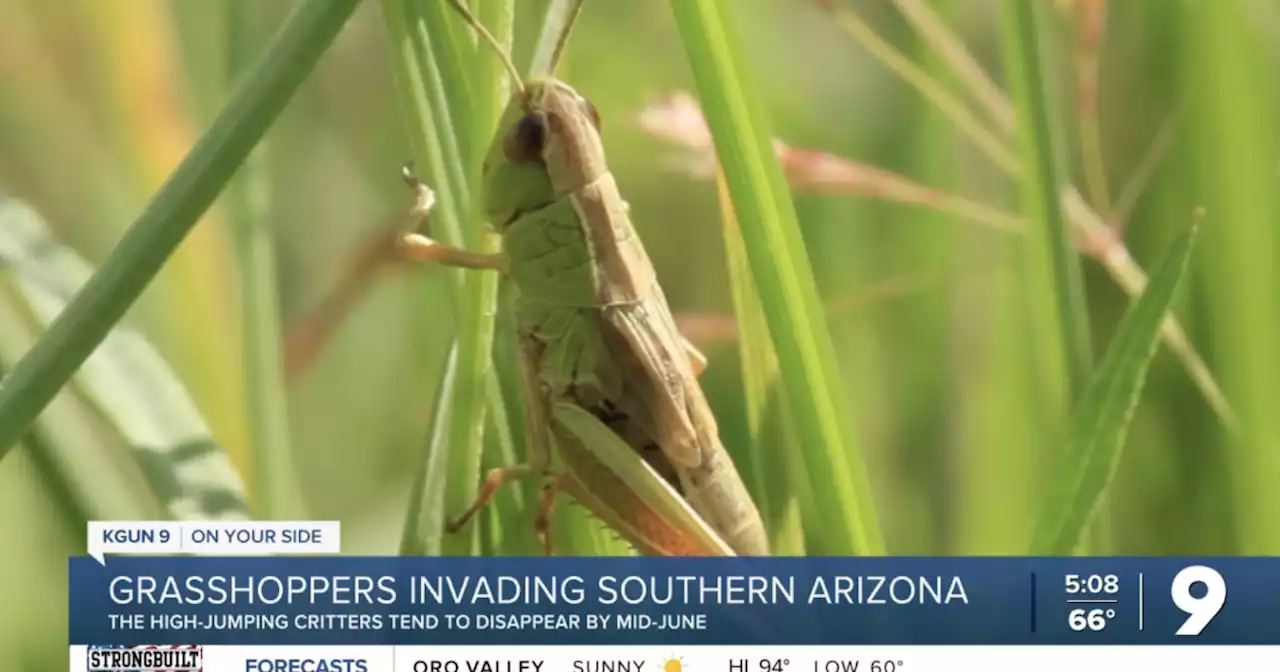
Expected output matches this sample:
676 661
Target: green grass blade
452 46
475 315
275 492
437 152
769 420
783 276
429 74
492 80
560 13
1053 291
435 86
1051 246
175 209
1100 421
423 532
127 381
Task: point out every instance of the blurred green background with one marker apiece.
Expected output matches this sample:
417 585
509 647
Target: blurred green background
100 100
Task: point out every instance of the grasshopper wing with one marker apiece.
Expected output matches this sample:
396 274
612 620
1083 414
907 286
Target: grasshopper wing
661 379
666 391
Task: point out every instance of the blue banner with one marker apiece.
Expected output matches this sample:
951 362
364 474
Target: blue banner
408 601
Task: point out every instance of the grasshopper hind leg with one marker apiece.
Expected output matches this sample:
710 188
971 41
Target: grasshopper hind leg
538 445
495 479
500 476
551 486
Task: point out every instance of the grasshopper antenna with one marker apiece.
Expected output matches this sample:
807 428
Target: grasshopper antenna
516 80
561 16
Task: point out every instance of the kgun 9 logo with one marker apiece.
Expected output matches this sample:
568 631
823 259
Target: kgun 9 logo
1201 609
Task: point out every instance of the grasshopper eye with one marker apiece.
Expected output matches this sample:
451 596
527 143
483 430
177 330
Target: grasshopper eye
525 140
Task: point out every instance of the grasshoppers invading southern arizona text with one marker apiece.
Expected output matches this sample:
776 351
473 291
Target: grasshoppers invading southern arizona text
602 363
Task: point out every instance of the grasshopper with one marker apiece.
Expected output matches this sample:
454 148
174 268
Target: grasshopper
603 367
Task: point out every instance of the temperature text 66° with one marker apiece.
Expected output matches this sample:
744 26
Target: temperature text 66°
1089 619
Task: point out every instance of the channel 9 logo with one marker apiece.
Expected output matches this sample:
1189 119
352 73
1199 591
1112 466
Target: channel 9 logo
146 658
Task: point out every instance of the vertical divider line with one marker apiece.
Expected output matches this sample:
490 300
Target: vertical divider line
1140 601
1033 602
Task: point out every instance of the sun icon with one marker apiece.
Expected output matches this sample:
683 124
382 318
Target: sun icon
673 664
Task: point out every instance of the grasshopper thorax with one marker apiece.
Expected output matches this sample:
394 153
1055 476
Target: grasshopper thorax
547 145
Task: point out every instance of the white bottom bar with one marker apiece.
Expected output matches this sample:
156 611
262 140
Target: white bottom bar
728 658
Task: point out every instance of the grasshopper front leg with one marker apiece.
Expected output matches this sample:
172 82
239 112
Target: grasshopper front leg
423 248
418 247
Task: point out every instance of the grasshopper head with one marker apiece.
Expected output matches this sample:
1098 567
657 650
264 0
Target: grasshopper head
547 145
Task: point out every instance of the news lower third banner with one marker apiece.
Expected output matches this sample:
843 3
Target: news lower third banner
393 602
